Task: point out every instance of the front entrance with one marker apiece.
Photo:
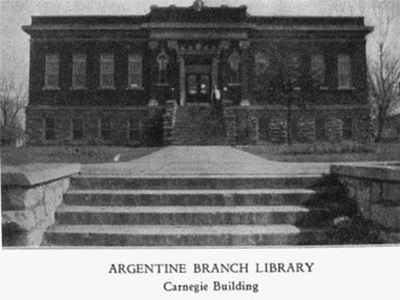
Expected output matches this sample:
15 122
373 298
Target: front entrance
198 88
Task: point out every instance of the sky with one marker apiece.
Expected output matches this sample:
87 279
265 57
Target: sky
14 43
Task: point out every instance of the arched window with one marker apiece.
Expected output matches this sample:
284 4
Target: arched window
162 60
234 62
261 63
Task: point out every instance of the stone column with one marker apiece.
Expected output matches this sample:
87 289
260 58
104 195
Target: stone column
244 45
153 45
214 75
182 81
230 125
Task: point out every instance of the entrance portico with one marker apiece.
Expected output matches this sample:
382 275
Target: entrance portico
198 70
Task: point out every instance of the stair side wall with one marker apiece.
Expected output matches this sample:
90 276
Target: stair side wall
29 201
376 189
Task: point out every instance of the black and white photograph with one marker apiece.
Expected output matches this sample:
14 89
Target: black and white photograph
200 148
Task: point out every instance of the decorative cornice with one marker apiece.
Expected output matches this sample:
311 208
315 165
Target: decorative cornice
153 45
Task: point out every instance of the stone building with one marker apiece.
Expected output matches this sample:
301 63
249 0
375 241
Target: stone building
108 79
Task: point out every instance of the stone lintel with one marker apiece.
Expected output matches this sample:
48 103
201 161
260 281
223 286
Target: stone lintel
387 171
37 173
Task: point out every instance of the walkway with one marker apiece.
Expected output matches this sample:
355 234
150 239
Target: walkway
203 160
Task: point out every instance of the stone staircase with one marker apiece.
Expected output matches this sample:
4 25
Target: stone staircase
196 125
196 210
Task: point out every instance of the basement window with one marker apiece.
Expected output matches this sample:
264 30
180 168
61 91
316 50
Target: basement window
347 128
105 128
77 128
134 130
320 133
49 129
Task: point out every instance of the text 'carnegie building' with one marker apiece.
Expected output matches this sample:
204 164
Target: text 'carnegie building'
110 79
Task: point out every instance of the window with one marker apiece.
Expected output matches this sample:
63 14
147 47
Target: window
261 63
162 60
294 129
77 129
49 129
320 133
134 129
294 66
318 68
234 62
347 128
107 71
263 129
344 71
135 70
51 71
79 71
105 128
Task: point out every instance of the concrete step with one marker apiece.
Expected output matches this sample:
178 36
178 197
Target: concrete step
252 197
186 215
159 236
195 182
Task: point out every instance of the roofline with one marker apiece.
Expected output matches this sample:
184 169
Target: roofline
151 25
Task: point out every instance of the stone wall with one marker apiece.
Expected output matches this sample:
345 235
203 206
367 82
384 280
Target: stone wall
376 190
229 122
169 118
247 127
30 196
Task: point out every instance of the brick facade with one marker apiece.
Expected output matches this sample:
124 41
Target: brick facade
181 54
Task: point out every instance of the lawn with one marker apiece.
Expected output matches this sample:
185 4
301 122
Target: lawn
326 152
70 154
322 152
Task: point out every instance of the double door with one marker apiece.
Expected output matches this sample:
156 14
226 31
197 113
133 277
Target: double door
198 88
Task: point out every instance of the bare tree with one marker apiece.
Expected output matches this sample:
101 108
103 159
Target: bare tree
383 53
13 100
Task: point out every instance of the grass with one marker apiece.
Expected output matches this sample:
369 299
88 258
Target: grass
320 152
70 154
327 152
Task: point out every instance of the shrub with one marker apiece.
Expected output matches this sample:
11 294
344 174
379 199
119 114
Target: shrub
11 134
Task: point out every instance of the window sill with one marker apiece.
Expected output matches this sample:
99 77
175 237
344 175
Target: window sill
162 84
106 88
49 88
324 88
135 88
348 88
78 89
234 84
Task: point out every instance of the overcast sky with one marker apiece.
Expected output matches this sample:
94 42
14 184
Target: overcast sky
14 45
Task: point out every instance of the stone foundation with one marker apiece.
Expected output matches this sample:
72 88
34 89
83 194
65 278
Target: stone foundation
128 126
303 124
152 125
30 196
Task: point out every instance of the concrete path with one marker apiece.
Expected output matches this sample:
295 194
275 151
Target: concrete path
203 160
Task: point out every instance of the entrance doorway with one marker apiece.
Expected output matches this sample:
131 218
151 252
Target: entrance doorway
198 88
